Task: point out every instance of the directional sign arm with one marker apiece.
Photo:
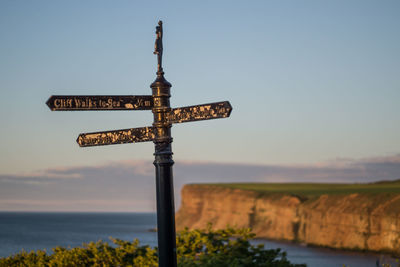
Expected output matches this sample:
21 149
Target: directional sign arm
200 112
100 102
133 135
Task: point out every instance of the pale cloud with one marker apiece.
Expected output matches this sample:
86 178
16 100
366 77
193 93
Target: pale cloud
130 185
51 174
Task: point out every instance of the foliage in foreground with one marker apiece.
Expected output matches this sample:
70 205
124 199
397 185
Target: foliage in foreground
207 247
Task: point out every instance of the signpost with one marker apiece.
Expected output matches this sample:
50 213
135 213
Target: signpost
133 135
159 133
100 102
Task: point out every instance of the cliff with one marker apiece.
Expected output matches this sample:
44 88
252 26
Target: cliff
344 221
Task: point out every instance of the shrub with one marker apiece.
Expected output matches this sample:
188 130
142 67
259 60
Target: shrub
207 247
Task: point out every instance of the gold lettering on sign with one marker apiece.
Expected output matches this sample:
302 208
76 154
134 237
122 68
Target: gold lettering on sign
116 104
117 137
57 103
63 103
77 102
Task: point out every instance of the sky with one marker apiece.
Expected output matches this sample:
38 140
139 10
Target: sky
314 86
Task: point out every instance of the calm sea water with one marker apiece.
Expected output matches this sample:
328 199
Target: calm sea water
32 231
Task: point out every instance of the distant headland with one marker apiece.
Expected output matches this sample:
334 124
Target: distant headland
342 216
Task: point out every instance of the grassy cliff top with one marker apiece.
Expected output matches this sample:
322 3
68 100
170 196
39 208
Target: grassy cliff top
315 189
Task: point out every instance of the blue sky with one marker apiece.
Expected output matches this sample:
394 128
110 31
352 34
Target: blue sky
310 82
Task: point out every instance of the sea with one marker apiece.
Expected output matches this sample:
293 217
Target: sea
33 230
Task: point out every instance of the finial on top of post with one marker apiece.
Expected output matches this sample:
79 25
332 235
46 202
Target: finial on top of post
158 48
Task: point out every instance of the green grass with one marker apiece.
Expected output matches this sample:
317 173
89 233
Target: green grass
317 189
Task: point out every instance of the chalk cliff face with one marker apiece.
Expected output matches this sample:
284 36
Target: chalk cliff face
354 221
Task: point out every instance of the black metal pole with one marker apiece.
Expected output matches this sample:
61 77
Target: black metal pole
164 180
163 162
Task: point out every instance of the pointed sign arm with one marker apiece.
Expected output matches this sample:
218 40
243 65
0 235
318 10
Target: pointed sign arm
100 102
132 135
209 111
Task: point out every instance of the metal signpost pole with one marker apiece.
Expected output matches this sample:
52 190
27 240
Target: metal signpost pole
164 180
163 162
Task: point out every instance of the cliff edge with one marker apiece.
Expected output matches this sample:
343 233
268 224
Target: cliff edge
362 221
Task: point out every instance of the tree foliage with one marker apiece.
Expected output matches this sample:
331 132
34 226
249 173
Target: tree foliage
206 247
